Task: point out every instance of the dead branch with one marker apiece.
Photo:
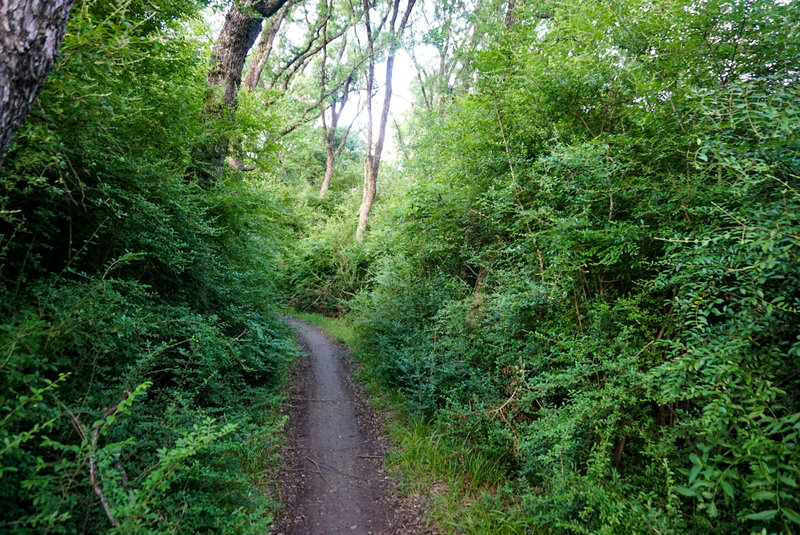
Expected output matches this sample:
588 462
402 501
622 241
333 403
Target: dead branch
93 471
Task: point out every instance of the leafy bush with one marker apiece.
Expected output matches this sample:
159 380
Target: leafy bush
593 274
141 353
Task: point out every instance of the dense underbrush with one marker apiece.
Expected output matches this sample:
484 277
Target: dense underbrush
591 279
141 355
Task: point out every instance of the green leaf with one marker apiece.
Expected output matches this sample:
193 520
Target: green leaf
792 515
726 488
693 474
762 495
763 515
712 510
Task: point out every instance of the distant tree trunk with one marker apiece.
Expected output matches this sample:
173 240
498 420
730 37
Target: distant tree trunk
332 149
373 159
238 34
264 48
368 197
330 163
336 109
512 13
30 38
370 183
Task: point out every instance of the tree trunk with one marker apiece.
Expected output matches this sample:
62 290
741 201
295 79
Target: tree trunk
238 34
332 150
330 163
512 14
373 159
329 132
264 48
368 198
30 37
370 186
235 40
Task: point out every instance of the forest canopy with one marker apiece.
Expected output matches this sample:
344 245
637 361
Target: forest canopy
573 255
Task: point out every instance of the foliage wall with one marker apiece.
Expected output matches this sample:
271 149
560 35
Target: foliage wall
140 354
327 267
593 273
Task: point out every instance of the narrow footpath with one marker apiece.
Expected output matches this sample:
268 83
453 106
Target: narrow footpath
333 480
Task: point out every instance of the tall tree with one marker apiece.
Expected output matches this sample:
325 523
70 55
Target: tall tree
264 47
331 42
341 91
372 160
330 131
30 37
453 32
239 32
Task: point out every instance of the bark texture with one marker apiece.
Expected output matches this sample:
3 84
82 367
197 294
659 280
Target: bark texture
512 13
30 37
239 32
330 164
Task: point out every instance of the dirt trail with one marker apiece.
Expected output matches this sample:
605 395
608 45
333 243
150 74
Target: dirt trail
333 481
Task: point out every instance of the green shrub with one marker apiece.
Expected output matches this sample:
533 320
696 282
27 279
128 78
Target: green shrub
593 275
142 357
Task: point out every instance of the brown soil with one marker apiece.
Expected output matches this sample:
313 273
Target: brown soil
333 478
